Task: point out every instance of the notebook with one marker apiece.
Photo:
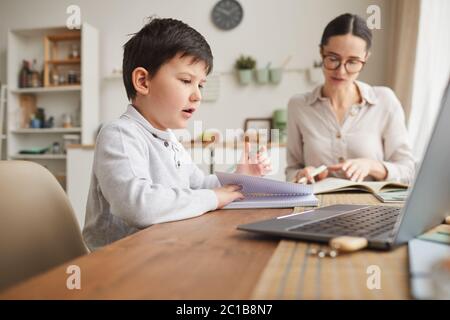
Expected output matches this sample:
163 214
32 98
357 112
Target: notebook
268 193
392 196
329 185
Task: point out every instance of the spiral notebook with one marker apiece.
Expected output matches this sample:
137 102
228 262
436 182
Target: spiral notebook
268 193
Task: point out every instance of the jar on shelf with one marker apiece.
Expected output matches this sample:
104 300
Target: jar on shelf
74 52
71 77
67 121
54 77
70 139
62 79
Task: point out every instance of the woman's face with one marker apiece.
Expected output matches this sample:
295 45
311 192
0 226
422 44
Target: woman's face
347 49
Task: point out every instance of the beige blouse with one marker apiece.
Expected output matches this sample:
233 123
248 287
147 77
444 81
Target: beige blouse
374 129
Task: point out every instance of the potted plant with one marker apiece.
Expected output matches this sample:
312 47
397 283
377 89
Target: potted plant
245 66
262 75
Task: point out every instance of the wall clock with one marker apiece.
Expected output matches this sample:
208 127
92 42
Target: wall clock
227 14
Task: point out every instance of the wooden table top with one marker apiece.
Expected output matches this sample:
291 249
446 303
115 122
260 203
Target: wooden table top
199 258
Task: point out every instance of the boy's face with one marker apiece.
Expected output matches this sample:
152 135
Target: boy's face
173 94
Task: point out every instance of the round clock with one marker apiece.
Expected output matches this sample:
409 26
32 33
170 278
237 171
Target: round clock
227 14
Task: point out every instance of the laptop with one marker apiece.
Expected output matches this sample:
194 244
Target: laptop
385 227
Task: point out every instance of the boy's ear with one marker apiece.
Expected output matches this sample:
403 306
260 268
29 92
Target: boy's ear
139 77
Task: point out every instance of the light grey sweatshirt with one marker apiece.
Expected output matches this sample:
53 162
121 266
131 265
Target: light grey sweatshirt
142 176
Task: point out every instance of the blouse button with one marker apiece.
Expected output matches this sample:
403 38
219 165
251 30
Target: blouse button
178 164
338 135
166 143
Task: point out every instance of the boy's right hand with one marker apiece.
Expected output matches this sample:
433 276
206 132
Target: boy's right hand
227 194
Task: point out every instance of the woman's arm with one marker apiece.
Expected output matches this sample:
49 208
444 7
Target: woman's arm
399 161
294 154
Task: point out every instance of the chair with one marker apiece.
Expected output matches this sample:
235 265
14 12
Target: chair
38 228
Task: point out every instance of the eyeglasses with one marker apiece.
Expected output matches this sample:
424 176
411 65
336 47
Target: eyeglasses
331 62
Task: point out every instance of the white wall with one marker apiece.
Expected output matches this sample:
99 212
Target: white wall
270 31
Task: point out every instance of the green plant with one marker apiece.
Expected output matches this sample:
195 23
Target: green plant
245 63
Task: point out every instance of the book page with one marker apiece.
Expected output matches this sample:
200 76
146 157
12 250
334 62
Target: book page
335 184
263 186
273 202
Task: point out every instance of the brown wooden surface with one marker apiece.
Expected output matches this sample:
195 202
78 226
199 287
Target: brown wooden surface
199 258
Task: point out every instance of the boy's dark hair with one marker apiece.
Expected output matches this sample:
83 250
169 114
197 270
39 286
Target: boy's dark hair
345 24
159 41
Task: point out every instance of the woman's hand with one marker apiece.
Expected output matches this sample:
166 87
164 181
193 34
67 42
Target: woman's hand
357 169
227 194
257 165
306 172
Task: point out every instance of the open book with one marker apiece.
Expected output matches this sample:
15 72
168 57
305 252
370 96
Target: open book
268 193
335 184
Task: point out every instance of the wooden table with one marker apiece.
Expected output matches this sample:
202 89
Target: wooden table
199 258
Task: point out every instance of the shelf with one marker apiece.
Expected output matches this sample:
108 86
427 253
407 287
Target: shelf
66 61
48 89
47 130
68 36
39 157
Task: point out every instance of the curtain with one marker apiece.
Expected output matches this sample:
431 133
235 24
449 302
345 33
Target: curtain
431 71
404 25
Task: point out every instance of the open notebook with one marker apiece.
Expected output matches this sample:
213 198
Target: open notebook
329 185
268 193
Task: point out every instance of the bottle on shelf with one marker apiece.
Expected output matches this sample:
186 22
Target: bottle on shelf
35 76
24 74
40 114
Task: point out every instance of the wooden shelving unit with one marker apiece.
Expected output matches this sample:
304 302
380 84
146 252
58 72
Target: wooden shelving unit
55 59
51 46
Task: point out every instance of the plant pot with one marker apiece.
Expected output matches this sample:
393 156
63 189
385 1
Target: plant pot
276 75
245 76
262 76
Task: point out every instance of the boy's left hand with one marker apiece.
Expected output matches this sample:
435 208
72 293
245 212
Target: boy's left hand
256 165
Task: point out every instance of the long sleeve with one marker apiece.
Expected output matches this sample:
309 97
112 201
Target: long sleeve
294 154
198 180
122 169
398 158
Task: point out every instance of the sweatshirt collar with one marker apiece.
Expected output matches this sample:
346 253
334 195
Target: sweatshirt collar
133 114
367 93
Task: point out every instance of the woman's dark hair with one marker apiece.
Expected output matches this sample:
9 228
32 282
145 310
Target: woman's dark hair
159 41
345 24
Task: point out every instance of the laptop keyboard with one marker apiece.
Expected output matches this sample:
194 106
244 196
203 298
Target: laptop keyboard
365 222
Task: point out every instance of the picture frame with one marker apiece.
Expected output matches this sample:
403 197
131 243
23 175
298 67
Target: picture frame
258 129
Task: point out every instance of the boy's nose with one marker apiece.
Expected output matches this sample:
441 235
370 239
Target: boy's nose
197 95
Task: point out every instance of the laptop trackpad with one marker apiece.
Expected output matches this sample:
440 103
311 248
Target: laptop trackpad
324 212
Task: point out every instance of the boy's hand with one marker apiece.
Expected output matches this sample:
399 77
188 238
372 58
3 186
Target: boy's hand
258 165
227 194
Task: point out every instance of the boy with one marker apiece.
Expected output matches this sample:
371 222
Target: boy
141 174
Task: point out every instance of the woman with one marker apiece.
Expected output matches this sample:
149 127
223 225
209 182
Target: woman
356 130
